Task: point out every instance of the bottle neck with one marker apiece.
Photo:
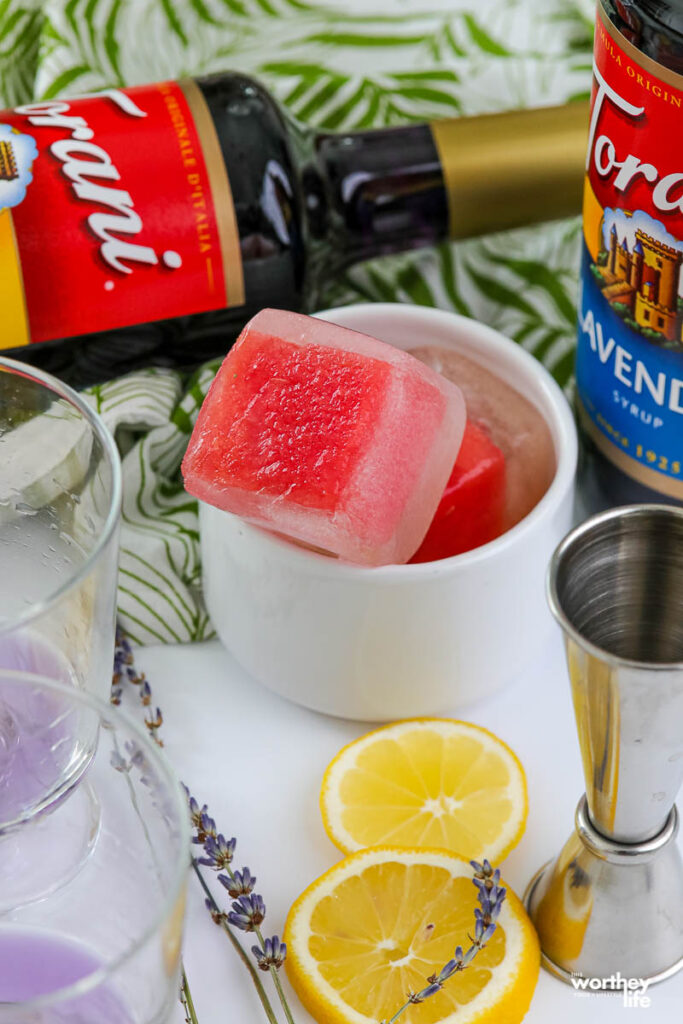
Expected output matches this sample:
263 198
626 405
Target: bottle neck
383 191
654 26
388 190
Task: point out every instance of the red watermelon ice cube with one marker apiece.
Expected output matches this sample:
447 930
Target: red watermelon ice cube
328 436
472 509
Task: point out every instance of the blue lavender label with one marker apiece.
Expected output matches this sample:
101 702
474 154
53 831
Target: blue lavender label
629 367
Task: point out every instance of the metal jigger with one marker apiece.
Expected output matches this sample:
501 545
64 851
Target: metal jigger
613 900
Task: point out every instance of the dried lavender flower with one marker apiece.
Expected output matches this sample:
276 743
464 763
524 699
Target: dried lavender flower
154 722
431 990
123 654
217 916
118 763
206 829
450 968
196 813
273 954
240 883
247 912
219 850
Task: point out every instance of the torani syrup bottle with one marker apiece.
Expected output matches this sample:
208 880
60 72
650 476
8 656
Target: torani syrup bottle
146 225
630 347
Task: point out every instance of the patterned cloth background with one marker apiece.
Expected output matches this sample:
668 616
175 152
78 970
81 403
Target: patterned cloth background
337 64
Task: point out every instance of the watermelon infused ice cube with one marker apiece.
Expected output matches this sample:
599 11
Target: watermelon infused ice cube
472 509
512 422
327 436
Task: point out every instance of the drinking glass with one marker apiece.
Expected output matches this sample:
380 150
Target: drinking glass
60 498
103 948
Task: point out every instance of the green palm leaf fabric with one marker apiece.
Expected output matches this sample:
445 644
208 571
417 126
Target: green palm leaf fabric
338 65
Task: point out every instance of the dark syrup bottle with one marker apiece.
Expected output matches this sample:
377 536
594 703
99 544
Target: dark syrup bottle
632 418
303 205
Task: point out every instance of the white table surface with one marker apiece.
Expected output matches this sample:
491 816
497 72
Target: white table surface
257 760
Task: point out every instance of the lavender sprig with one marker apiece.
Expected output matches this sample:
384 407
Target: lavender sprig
248 909
220 918
218 850
124 670
186 1001
491 896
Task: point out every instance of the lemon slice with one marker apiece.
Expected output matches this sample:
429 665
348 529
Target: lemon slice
383 920
426 782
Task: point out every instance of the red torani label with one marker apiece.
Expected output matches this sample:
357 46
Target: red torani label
115 209
630 351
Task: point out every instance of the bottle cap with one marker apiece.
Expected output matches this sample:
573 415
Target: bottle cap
515 168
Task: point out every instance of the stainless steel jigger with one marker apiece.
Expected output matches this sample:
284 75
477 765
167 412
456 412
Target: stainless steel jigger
613 900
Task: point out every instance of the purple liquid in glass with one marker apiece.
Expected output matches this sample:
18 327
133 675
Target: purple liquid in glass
37 729
34 964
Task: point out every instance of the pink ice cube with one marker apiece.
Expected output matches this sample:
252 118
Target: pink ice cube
328 436
510 420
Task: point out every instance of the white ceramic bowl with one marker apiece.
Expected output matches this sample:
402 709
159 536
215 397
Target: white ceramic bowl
399 640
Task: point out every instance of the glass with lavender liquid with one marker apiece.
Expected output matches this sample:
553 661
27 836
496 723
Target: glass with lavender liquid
60 496
103 947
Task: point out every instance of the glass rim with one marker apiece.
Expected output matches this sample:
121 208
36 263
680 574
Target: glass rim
104 436
106 710
579 533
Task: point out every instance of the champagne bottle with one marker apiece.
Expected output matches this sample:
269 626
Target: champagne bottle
146 225
629 369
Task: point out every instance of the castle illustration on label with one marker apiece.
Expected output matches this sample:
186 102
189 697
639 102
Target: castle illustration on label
8 163
638 270
18 152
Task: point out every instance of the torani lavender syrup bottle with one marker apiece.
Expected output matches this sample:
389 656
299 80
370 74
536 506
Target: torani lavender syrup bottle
630 348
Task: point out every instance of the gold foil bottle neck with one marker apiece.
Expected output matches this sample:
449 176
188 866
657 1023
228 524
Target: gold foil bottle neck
506 170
